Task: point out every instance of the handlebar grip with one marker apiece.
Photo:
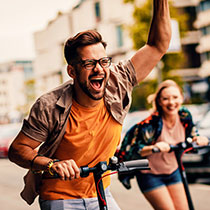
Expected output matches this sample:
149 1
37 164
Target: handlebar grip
133 165
136 163
172 148
84 172
155 150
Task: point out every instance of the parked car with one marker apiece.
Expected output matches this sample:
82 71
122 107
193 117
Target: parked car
204 125
7 134
197 165
131 119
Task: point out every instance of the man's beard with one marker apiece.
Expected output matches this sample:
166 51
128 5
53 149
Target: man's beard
87 90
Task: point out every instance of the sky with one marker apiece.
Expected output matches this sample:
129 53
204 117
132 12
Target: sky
19 19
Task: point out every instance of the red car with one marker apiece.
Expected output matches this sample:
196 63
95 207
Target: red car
7 134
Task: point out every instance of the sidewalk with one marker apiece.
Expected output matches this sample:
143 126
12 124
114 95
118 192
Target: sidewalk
11 183
131 199
134 200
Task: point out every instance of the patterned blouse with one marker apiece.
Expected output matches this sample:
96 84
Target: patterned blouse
147 132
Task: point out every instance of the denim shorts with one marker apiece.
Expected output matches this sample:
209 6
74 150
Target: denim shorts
148 182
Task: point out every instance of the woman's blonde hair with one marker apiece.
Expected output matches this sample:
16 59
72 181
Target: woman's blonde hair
154 98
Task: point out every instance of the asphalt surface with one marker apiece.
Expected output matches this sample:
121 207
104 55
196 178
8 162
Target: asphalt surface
11 183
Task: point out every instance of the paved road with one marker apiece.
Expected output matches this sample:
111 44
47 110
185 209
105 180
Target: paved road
11 184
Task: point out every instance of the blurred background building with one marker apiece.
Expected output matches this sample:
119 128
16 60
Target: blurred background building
111 19
15 91
105 16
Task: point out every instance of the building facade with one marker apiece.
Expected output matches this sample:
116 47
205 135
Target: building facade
195 46
202 23
111 19
102 15
14 92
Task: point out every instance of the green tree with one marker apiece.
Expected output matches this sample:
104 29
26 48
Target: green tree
142 16
29 92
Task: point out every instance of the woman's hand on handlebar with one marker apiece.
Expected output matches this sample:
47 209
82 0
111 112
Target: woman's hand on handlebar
66 169
158 147
201 140
163 146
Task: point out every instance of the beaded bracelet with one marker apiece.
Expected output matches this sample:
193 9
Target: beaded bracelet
49 166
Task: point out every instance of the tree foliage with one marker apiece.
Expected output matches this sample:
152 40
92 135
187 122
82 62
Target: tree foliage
139 30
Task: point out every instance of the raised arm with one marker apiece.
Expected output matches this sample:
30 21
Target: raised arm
158 40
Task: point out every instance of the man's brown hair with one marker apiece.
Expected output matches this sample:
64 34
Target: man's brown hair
81 39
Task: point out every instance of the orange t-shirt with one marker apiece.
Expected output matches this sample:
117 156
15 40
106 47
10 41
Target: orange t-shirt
91 136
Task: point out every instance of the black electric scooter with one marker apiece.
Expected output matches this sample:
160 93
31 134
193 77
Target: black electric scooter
101 167
179 150
114 165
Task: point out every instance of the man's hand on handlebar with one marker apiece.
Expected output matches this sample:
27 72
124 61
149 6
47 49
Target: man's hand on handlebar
66 169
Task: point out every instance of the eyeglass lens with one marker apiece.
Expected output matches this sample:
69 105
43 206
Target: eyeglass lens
91 64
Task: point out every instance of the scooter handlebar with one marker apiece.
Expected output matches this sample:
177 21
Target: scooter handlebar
136 163
121 167
133 165
172 147
183 145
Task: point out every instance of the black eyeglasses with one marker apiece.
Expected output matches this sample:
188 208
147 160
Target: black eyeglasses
90 64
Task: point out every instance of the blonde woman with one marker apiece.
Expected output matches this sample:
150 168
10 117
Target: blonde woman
170 124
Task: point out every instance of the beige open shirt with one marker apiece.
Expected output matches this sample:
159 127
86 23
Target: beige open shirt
47 120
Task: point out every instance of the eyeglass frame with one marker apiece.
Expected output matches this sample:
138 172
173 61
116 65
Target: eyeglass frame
82 62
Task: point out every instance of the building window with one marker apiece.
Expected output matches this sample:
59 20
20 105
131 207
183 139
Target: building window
205 30
204 5
205 56
208 55
97 11
119 31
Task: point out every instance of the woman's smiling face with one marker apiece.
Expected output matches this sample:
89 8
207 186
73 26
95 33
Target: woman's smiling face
170 100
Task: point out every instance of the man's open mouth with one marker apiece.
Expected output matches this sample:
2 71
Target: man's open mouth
96 83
